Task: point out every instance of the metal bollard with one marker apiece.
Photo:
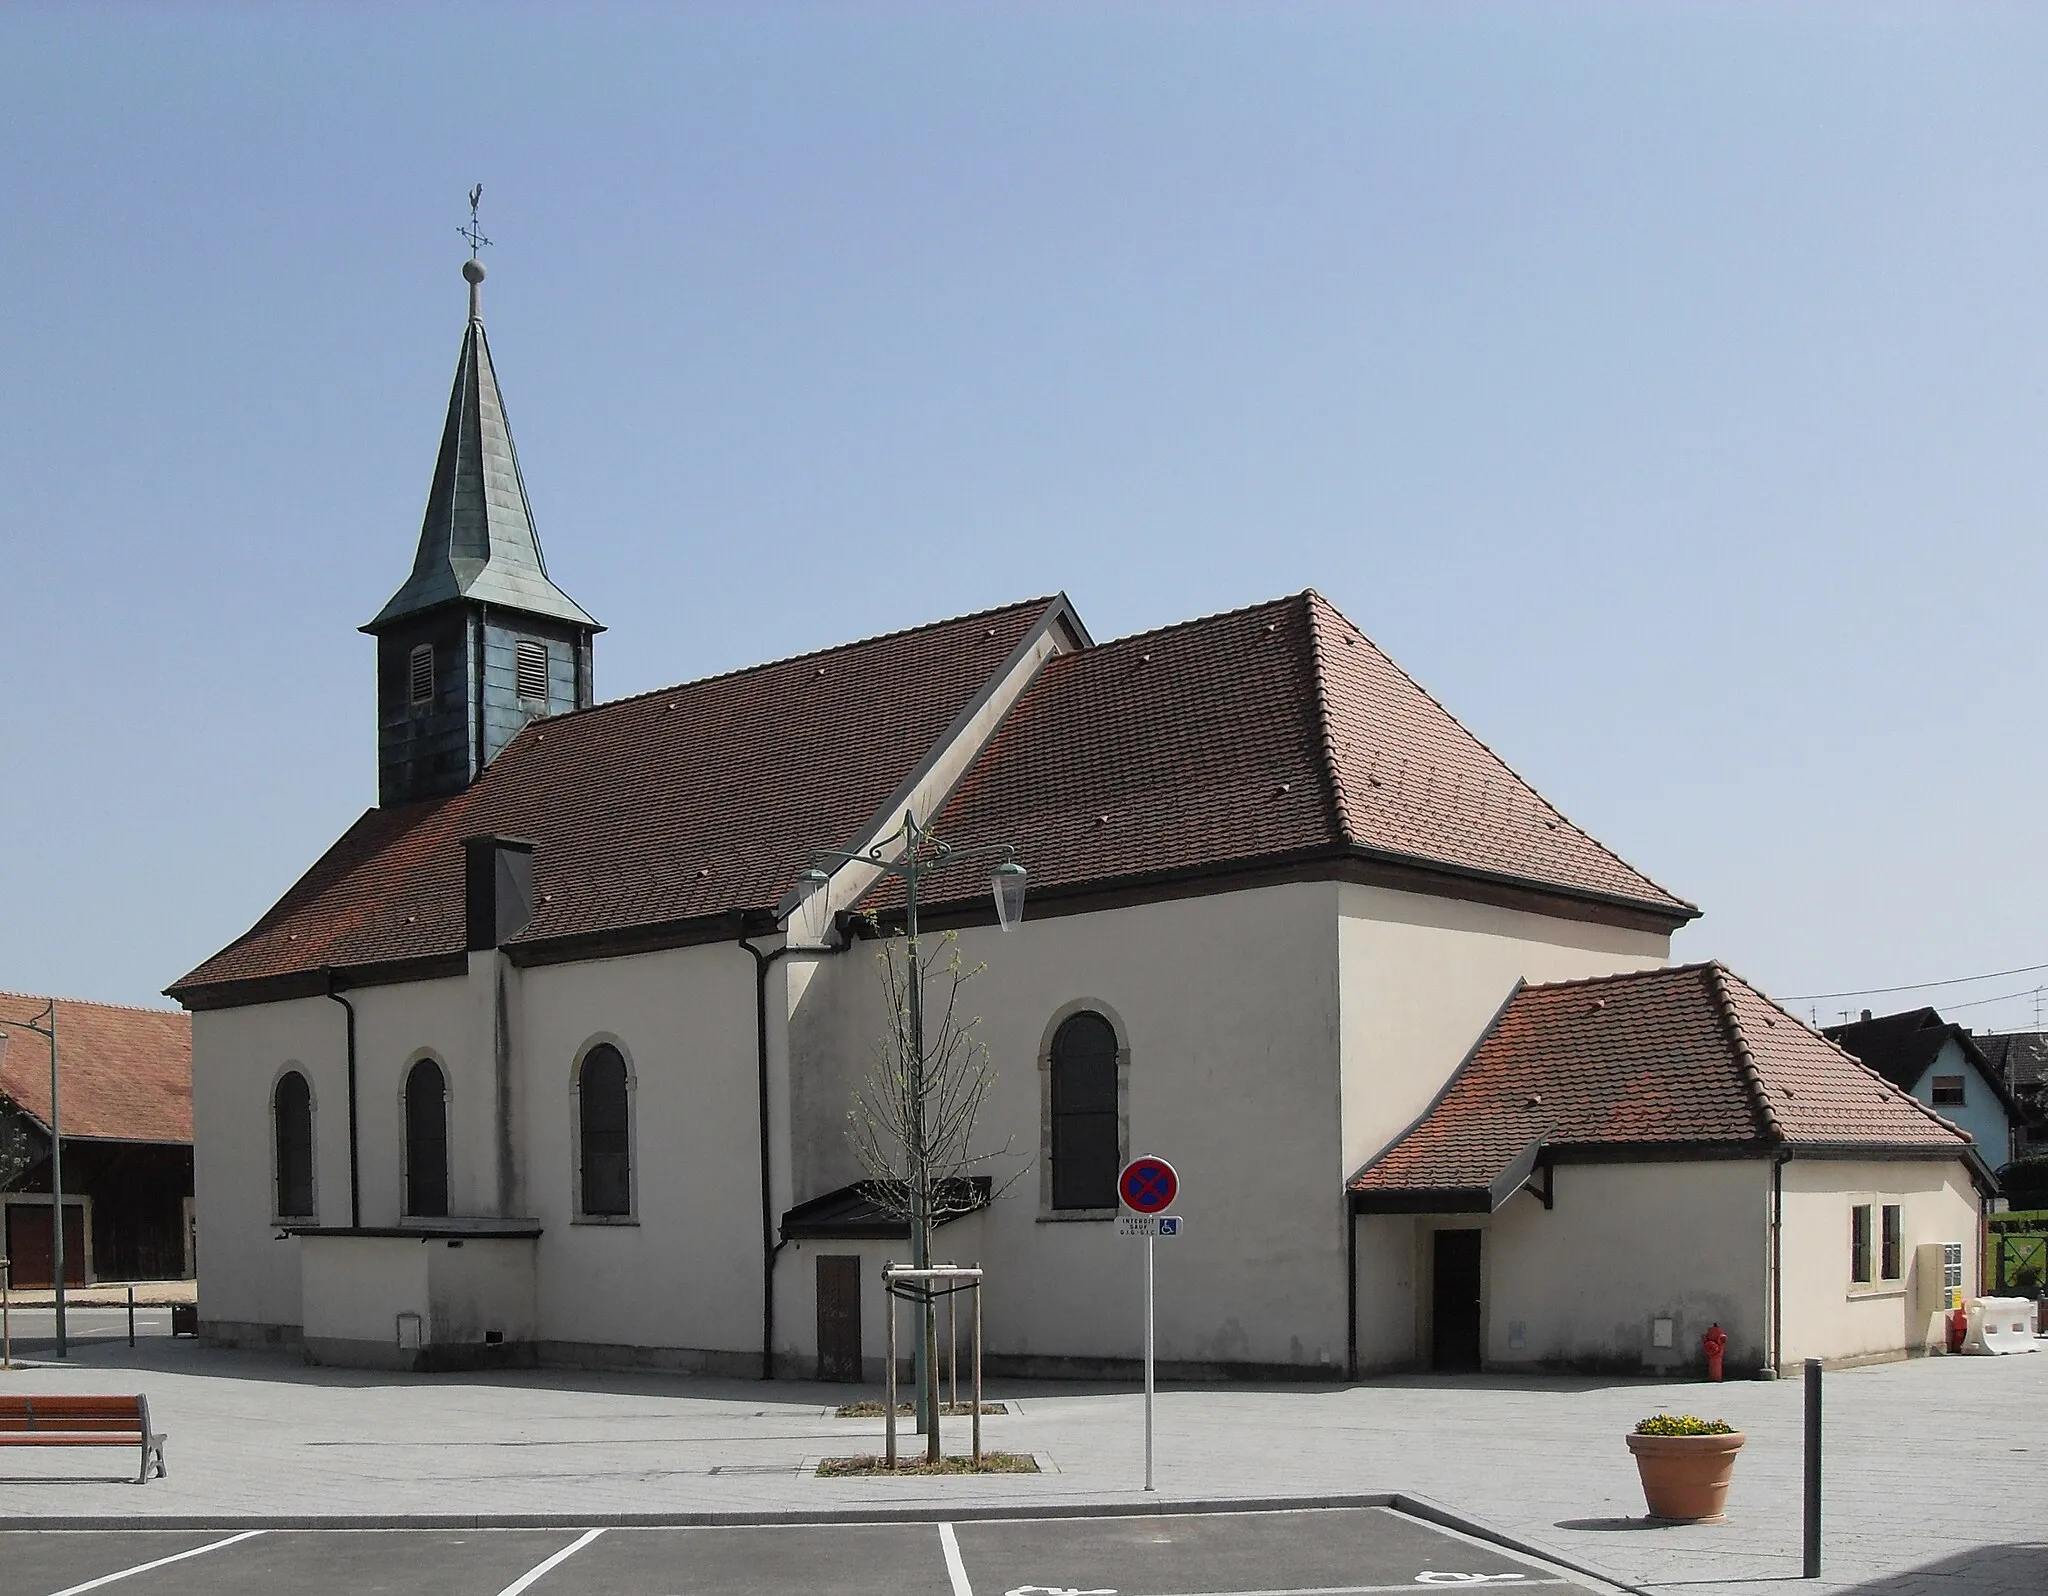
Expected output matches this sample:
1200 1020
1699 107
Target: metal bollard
1812 1468
131 1316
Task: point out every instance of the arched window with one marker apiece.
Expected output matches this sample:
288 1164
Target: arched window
604 1137
426 1141
291 1113
1085 1140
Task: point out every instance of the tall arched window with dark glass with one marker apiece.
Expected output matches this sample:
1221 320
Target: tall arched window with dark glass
604 1134
426 1141
291 1109
1084 1113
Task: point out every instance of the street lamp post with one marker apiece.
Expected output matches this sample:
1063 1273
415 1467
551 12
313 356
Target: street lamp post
49 1033
921 854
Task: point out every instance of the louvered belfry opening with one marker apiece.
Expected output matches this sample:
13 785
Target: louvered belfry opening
531 668
420 675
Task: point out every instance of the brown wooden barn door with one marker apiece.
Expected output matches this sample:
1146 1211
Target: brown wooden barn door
28 1244
839 1318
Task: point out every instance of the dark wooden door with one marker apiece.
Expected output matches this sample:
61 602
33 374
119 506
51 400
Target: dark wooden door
28 1244
1454 1336
839 1318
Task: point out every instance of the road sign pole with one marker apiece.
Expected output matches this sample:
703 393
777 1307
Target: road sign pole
1148 1363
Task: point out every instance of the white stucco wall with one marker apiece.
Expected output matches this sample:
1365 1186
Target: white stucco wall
1228 1007
962 1241
1826 1314
686 1273
1623 1246
1421 978
355 1287
246 1276
1390 1322
1242 1012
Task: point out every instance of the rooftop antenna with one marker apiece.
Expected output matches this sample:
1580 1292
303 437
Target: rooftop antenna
473 269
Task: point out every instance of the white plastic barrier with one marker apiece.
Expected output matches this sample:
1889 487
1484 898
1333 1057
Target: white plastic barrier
1999 1324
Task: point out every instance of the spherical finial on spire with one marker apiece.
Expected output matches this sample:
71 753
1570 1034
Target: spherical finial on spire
473 272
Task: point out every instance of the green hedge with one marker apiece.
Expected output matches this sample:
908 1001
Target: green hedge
2025 1182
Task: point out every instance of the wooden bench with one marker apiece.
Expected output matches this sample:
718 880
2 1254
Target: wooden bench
83 1421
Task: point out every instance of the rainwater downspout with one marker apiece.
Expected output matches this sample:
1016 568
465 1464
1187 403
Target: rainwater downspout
1350 1288
355 1195
1777 1351
771 1248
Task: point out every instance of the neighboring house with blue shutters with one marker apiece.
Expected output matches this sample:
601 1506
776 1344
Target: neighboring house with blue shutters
1941 1065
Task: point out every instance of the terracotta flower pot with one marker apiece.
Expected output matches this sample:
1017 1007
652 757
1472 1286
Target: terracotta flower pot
1686 1477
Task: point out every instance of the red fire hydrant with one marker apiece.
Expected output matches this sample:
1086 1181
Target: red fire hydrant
1714 1343
1958 1329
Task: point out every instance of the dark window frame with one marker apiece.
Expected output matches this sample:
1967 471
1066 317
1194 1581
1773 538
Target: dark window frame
293 1192
1892 1241
1860 1273
426 1199
1950 1091
1084 1136
604 1176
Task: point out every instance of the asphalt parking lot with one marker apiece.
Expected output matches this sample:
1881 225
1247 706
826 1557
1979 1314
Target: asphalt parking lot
1313 1552
34 1330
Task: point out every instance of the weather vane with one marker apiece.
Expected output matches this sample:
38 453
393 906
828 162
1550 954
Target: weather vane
472 232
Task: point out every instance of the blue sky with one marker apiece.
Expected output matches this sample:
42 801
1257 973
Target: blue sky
1662 385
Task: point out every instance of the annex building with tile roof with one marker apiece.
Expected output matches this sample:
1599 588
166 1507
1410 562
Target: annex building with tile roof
123 1122
551 1056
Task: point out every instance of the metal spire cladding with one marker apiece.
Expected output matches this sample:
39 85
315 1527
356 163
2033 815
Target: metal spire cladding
477 541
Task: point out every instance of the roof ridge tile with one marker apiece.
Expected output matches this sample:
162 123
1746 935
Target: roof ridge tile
1745 1061
1333 782
90 1003
1338 616
808 655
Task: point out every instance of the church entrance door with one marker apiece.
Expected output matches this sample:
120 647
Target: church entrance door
839 1319
1454 1299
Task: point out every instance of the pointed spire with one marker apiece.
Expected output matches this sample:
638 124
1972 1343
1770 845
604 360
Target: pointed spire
477 541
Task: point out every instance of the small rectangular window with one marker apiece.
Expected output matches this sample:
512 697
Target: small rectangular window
421 675
1894 1259
1948 1091
532 668
1859 1245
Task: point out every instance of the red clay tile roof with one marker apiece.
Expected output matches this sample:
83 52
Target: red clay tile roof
672 805
125 1074
1268 731
1691 1054
1273 731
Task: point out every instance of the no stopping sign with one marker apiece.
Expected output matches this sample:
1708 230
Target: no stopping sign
1148 1185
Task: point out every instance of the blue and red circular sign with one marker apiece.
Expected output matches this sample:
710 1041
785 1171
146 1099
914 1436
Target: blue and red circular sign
1148 1185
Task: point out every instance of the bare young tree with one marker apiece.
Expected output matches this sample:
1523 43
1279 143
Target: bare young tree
913 1120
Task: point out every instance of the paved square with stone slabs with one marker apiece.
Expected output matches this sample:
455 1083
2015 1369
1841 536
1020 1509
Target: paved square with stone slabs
1935 1483
1320 1552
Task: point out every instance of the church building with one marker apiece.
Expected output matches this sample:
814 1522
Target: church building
550 1057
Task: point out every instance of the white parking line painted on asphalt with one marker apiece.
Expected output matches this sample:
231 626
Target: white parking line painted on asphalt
144 1568
1426 1580
562 1556
956 1570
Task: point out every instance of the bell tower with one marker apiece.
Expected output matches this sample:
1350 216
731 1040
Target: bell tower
478 641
